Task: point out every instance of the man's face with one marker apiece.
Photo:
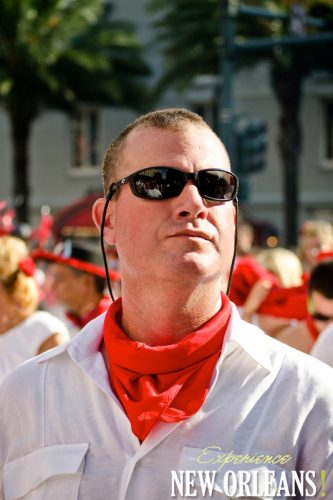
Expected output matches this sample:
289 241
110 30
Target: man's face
185 238
66 285
322 310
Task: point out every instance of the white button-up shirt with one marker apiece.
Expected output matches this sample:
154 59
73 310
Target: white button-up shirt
64 434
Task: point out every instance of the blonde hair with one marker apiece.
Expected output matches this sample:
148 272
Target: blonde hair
20 288
284 264
321 229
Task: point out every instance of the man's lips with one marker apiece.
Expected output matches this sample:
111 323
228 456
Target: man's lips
191 234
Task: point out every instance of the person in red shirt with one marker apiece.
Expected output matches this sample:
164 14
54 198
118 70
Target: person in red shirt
268 289
303 334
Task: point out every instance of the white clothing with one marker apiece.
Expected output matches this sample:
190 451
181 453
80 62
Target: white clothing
23 341
60 312
323 347
64 434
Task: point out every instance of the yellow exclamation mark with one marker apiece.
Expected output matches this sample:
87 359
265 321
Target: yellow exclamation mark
323 479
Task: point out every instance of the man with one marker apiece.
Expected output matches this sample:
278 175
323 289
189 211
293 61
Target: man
76 282
303 335
170 390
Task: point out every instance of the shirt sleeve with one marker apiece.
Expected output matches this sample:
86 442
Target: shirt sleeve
42 326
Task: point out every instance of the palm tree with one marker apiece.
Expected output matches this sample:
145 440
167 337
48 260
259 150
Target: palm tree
191 38
57 54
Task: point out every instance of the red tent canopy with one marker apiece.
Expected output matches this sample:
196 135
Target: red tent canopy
75 220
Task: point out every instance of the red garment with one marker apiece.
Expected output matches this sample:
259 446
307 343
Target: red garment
247 272
82 265
312 327
167 383
79 321
285 303
328 255
280 302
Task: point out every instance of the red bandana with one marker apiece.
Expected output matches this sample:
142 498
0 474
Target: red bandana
285 302
101 307
167 383
312 327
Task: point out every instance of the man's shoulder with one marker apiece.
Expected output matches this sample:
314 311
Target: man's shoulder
30 373
288 361
259 346
295 358
311 377
27 376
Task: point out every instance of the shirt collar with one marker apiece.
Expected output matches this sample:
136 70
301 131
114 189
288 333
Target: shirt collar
86 343
253 341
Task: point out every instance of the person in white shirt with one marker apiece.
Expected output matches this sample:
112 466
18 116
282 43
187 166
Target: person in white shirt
24 331
169 394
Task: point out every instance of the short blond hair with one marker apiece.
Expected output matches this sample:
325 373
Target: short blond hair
168 118
284 264
21 289
321 229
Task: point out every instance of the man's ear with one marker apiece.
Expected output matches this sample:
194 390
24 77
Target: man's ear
97 215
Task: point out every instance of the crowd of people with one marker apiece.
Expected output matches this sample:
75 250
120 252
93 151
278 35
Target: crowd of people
192 352
289 294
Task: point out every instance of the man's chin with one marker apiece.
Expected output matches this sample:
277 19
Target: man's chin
194 265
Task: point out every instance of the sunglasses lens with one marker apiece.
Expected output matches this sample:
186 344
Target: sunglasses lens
158 183
217 184
148 183
321 317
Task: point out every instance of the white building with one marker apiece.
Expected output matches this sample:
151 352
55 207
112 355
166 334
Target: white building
63 167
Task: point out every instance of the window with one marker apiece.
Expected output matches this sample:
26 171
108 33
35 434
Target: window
85 137
327 160
329 129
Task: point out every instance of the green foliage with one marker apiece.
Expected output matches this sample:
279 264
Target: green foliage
56 53
189 34
59 54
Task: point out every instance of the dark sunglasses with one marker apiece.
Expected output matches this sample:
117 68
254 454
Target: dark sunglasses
161 183
321 317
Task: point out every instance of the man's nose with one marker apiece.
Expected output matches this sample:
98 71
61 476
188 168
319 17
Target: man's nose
190 204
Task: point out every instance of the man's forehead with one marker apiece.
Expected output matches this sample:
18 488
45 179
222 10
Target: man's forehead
155 143
159 133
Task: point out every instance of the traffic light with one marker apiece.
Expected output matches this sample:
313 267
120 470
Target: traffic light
251 145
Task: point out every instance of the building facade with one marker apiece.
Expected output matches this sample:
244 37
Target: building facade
66 153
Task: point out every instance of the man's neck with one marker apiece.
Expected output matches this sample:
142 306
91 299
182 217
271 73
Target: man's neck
161 316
